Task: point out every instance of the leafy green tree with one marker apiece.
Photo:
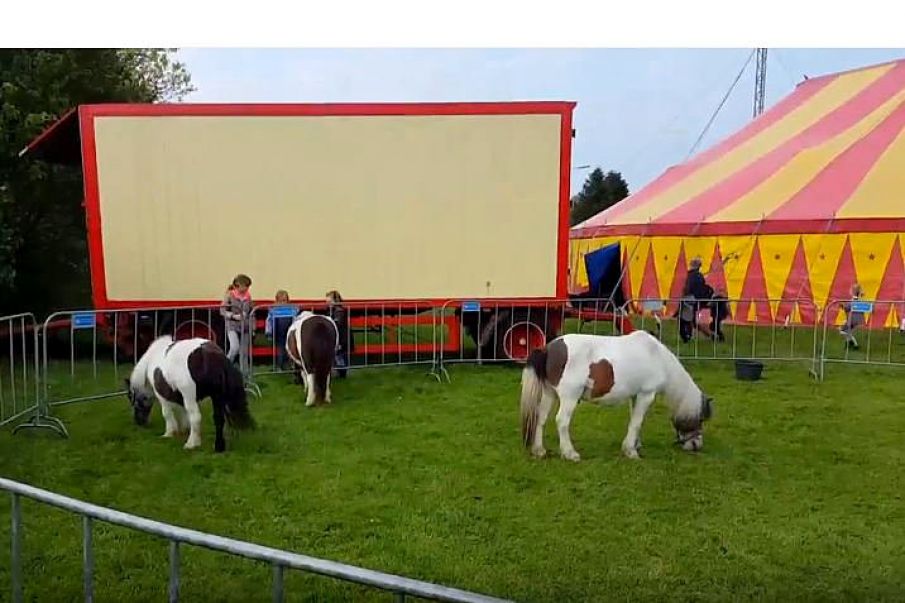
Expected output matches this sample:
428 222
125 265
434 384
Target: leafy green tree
599 192
43 250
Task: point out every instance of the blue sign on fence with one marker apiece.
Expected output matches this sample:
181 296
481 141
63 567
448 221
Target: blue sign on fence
471 306
282 311
83 320
865 307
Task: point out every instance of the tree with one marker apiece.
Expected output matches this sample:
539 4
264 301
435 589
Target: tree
43 249
599 192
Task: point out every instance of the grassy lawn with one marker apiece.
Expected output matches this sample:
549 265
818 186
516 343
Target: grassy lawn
794 496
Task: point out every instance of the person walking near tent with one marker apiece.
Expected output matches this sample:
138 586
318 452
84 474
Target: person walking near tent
695 289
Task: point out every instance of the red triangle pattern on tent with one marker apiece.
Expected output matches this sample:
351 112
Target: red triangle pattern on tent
892 288
650 288
678 281
841 290
716 278
797 291
754 290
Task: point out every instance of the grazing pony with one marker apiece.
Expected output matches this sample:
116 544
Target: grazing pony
311 343
607 371
181 374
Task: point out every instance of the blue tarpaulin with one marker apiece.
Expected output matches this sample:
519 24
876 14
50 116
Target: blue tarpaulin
598 263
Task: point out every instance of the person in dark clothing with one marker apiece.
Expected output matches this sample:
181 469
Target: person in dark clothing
695 289
340 316
719 311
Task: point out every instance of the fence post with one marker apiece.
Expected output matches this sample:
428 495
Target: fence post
87 559
16 548
277 583
173 588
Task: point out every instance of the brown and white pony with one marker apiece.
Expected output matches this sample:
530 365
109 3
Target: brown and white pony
311 344
608 371
182 373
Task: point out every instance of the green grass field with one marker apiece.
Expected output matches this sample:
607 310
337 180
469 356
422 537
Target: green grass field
795 496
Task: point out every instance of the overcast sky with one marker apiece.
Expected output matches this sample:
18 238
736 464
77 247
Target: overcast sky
639 111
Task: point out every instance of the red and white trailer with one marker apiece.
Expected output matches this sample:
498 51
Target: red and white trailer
400 207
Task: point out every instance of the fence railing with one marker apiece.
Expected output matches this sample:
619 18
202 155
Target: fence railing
376 334
866 332
19 370
773 329
86 355
279 560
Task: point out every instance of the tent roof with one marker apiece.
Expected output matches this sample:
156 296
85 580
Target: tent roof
829 157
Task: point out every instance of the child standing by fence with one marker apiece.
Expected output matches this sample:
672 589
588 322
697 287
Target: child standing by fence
279 319
235 310
338 313
853 318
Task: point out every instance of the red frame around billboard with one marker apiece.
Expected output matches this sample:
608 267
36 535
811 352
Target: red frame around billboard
88 113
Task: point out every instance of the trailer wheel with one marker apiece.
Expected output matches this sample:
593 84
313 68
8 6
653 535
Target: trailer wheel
520 339
190 329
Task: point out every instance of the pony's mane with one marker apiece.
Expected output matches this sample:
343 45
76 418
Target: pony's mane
681 392
139 377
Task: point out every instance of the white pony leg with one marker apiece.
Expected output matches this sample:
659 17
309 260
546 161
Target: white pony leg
169 417
194 413
329 395
567 406
309 381
632 439
543 411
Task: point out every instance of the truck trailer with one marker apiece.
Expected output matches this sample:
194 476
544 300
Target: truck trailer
403 208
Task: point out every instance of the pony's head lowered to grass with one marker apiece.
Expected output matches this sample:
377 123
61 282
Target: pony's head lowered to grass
688 425
142 402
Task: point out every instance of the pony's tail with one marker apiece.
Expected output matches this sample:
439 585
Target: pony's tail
534 378
236 400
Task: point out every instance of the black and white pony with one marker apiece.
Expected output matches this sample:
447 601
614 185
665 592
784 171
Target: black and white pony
182 373
608 371
311 343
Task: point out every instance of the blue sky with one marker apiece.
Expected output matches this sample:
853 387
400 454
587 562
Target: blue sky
639 111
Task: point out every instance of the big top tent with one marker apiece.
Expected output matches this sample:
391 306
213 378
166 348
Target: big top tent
795 207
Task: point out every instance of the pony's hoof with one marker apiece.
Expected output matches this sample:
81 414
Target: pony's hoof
571 455
539 453
631 453
168 435
192 445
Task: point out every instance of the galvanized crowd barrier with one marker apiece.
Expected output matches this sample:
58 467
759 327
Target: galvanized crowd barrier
503 331
20 377
863 332
88 354
751 328
279 560
379 334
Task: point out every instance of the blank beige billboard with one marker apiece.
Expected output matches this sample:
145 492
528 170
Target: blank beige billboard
383 207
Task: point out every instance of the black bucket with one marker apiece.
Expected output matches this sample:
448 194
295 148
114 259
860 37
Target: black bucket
748 370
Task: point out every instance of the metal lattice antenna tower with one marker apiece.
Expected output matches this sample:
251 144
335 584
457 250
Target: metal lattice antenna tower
760 81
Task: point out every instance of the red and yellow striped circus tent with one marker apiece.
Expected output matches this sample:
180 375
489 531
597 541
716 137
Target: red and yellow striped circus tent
799 204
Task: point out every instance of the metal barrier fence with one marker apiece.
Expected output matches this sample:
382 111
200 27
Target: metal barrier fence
867 332
376 334
278 559
88 354
774 329
19 370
